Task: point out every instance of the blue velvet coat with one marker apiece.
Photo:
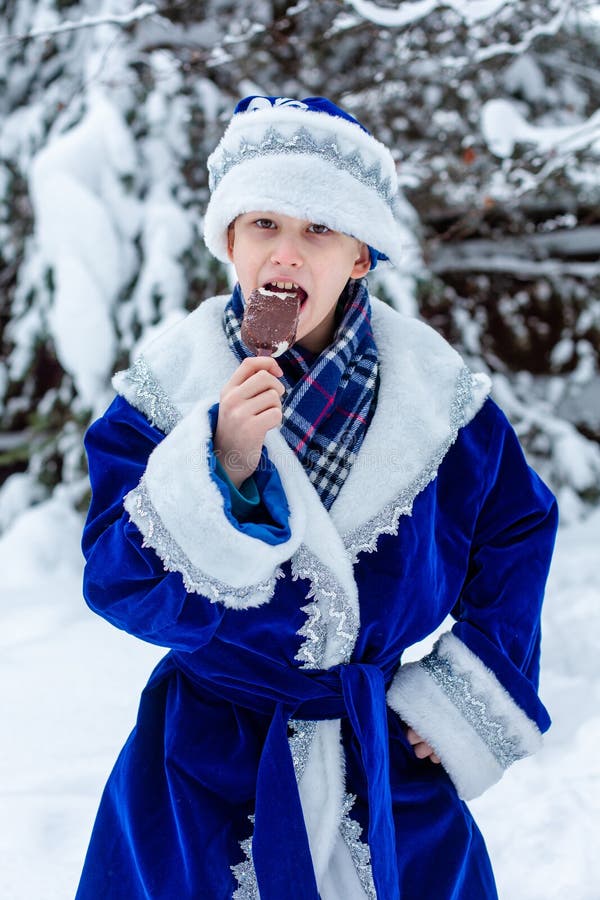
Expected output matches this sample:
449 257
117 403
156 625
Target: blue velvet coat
269 756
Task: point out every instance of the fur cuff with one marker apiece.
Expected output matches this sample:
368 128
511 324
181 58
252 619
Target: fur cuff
456 704
179 510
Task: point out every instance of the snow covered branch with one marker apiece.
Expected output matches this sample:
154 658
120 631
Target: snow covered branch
503 127
542 30
471 12
143 11
407 13
513 265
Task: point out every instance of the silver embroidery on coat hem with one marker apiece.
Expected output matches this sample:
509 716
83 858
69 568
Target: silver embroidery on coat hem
245 873
458 687
303 733
174 559
150 398
360 852
364 538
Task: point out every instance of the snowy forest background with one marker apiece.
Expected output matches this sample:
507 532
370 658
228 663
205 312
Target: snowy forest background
108 110
490 107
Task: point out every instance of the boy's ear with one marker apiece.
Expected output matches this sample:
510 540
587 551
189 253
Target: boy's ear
230 238
362 263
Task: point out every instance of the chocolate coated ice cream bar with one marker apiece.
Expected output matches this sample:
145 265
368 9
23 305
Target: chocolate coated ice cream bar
270 320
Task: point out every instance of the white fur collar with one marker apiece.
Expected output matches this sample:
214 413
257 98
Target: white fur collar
425 396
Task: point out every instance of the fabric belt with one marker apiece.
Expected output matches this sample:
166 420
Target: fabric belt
357 692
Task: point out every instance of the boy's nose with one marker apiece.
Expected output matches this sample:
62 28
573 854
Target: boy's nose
286 252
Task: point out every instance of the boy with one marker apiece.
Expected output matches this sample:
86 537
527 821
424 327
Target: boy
288 527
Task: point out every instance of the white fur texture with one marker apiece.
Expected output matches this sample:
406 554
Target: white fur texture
340 881
192 360
308 188
422 704
418 374
321 793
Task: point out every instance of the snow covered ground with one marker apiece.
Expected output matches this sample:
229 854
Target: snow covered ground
70 683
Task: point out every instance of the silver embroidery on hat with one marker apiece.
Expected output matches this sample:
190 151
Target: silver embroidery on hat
301 142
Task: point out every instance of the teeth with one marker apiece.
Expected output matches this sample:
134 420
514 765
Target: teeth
284 285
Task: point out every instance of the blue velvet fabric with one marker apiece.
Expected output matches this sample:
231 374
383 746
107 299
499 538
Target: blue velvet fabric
210 744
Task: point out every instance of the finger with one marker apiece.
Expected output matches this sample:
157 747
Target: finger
268 399
270 418
262 381
412 736
256 384
426 751
422 750
253 364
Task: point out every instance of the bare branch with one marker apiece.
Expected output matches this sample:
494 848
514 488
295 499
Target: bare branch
517 266
143 11
568 65
525 256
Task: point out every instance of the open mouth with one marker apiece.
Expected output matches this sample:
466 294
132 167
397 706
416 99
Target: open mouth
285 289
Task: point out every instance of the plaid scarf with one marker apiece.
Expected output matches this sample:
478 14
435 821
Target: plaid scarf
330 398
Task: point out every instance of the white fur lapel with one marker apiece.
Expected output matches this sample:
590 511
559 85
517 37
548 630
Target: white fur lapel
191 360
425 396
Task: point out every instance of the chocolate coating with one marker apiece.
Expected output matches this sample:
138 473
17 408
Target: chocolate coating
270 322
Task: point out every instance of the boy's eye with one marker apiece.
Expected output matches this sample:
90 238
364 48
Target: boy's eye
265 223
318 229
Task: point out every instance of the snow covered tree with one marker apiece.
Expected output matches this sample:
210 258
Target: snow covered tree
108 111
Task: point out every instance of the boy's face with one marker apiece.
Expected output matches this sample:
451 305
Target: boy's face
269 247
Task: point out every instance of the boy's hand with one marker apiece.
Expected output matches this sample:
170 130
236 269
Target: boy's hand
421 747
250 405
